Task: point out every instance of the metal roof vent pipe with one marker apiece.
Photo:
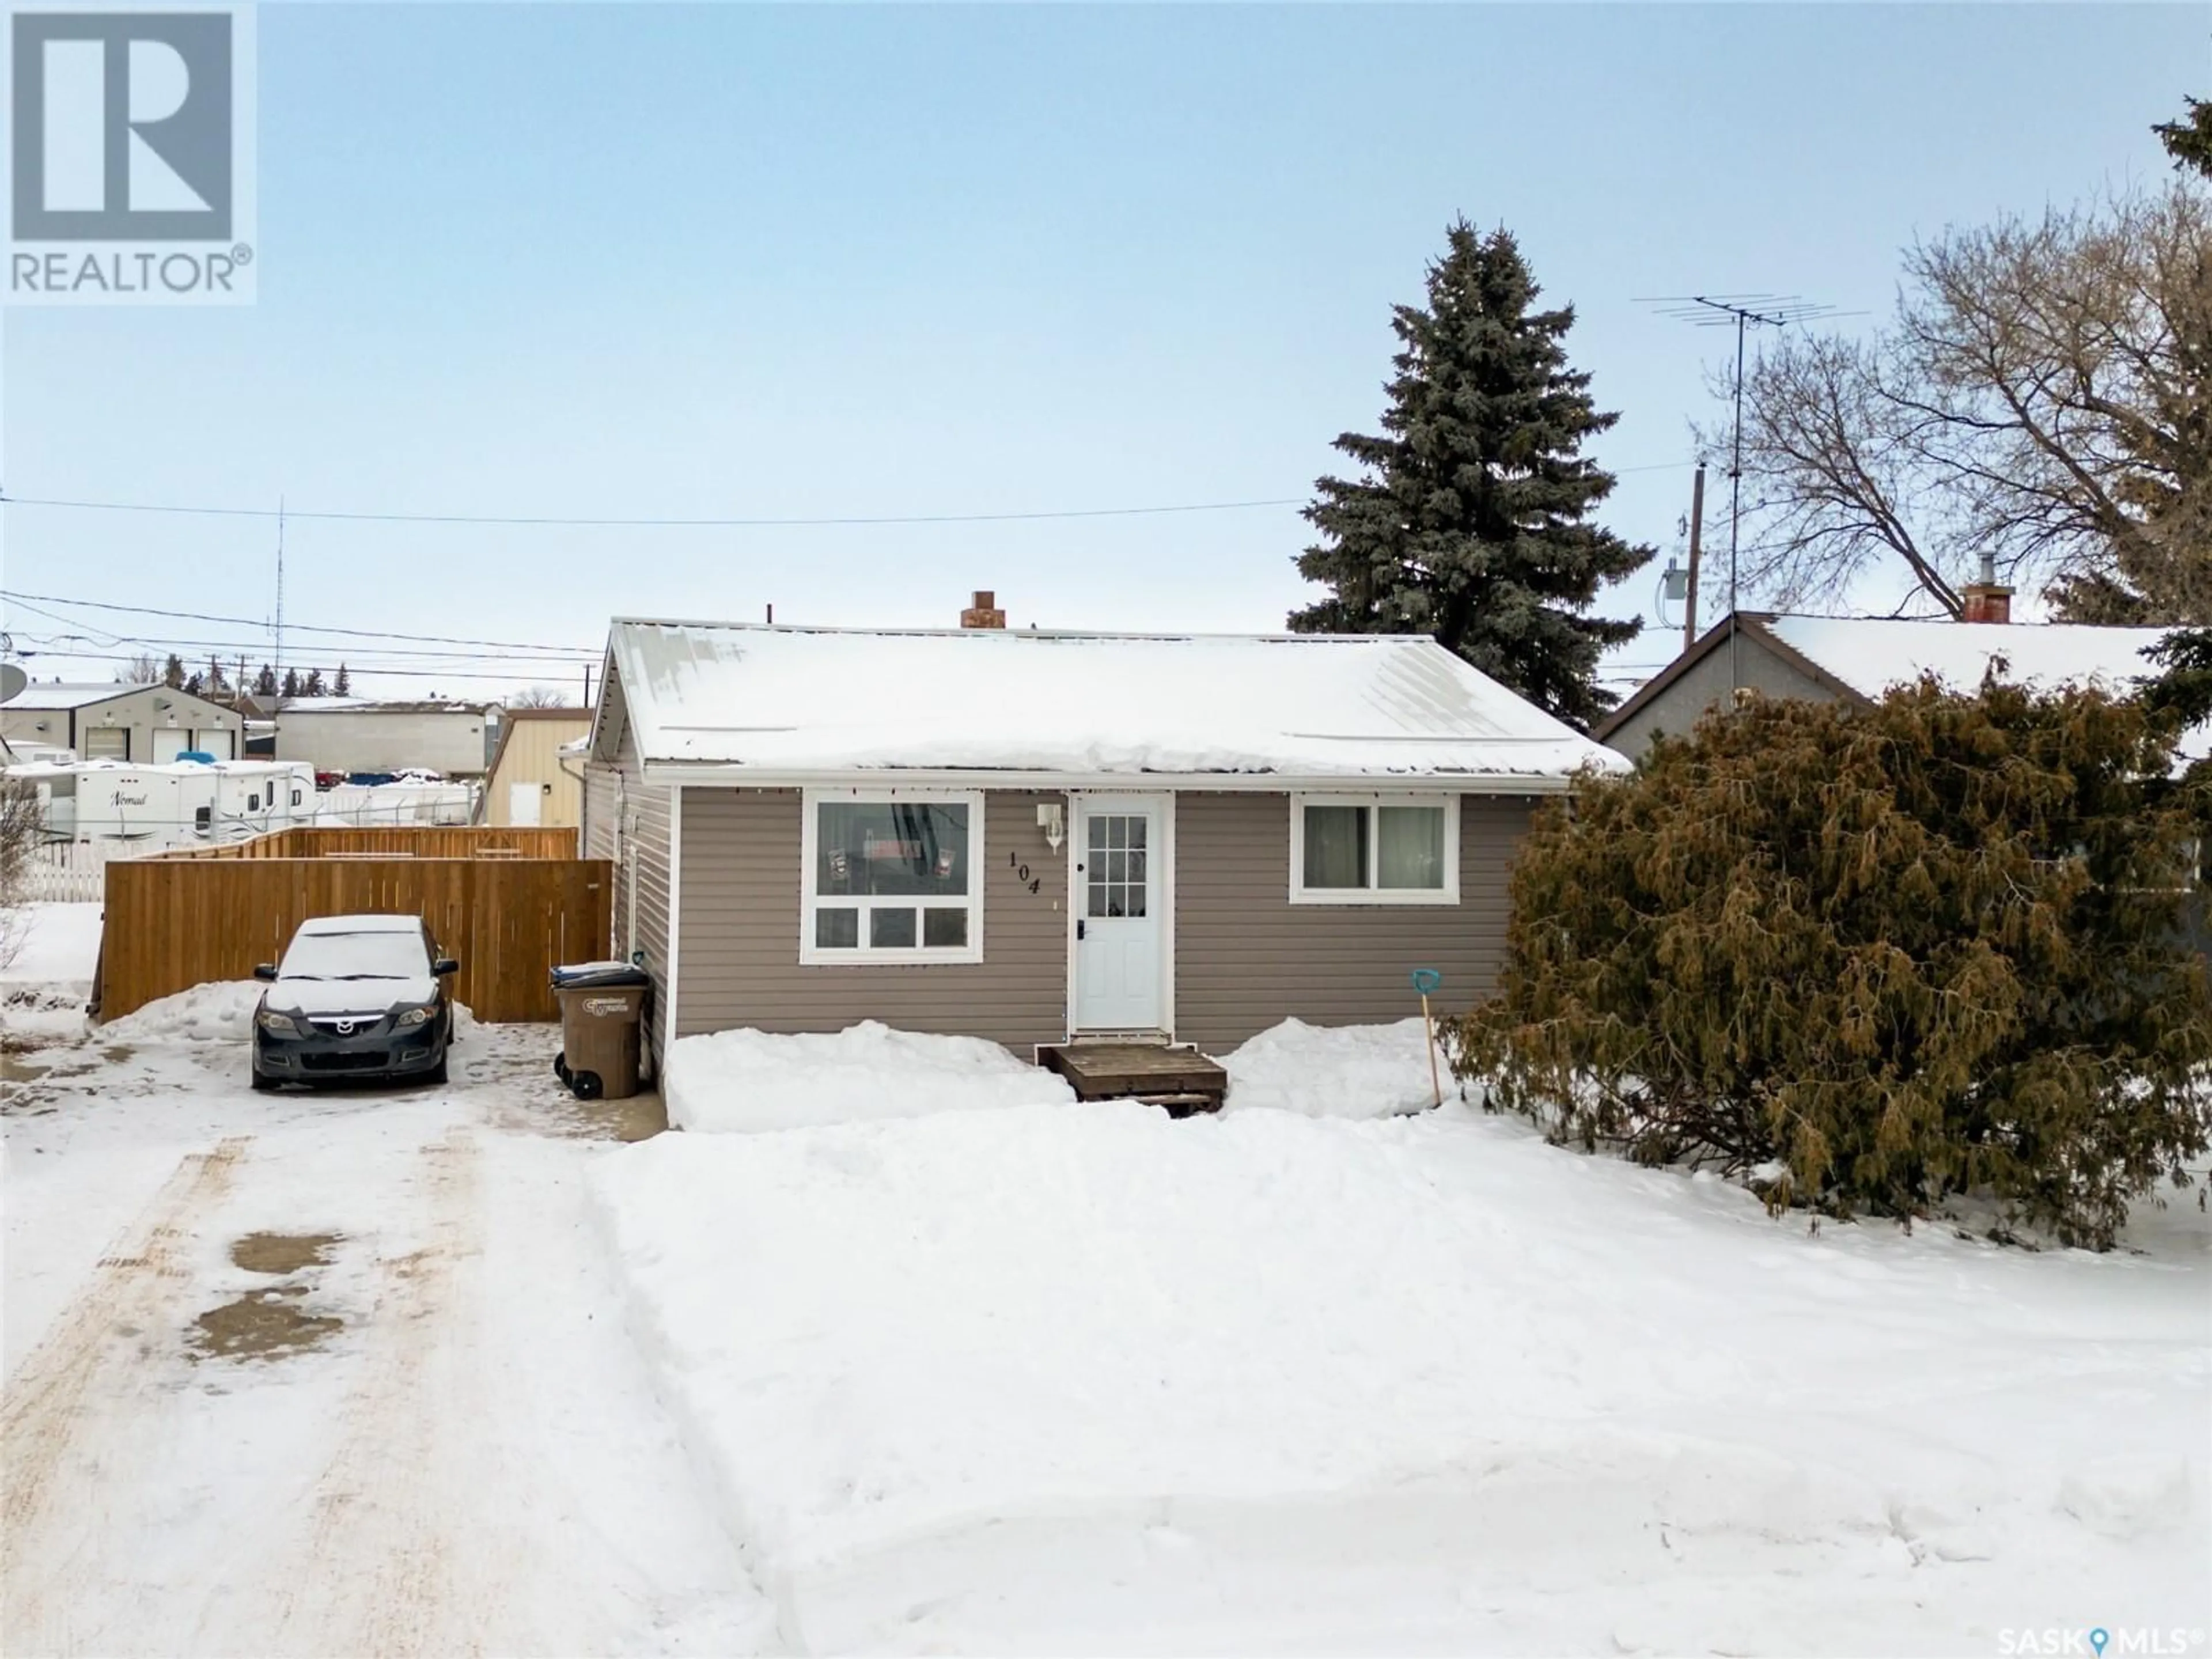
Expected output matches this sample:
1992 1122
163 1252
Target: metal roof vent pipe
1987 601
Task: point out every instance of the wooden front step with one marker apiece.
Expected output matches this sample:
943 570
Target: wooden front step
1181 1080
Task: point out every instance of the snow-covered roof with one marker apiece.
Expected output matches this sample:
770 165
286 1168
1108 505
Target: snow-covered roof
757 701
1872 653
331 705
60 693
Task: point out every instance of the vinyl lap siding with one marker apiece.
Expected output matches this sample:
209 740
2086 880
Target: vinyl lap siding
627 820
1247 959
740 933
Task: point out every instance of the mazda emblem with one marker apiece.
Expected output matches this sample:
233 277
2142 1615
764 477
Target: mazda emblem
345 1028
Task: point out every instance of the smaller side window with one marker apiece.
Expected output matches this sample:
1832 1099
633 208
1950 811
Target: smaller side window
254 803
203 817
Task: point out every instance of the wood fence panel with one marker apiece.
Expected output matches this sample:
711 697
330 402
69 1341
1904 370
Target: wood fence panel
391 840
173 923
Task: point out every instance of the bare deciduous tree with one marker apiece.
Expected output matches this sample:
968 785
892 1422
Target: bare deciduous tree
540 697
21 832
144 669
2042 397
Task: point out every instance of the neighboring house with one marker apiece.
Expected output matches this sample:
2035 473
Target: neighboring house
1028 837
355 734
528 784
1859 658
1856 659
143 724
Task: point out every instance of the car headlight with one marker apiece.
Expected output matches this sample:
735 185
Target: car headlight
282 1024
411 1019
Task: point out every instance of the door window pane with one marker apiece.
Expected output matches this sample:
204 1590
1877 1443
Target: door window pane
1114 868
1336 847
837 930
1410 847
942 928
892 928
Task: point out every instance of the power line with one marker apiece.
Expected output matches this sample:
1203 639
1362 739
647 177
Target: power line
546 520
372 670
385 656
647 522
29 600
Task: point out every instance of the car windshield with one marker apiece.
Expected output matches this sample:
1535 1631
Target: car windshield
356 955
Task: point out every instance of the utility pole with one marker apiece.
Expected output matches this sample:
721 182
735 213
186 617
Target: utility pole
280 591
1696 540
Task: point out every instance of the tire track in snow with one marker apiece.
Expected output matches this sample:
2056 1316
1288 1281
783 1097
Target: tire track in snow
378 1572
50 1397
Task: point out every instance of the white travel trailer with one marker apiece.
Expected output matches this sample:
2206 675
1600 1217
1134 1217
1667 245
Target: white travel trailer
252 797
154 804
175 805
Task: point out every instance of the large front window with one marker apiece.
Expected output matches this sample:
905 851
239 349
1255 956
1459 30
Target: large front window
892 878
1352 849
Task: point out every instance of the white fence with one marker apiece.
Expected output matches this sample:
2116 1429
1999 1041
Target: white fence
76 872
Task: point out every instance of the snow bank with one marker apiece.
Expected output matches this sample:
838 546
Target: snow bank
60 945
1345 1071
740 1082
1042 1380
220 1011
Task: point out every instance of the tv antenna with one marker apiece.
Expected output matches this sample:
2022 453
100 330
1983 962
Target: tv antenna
1743 313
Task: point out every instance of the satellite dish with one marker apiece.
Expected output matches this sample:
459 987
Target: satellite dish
12 681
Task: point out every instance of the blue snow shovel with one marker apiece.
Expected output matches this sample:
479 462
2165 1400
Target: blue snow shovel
1426 980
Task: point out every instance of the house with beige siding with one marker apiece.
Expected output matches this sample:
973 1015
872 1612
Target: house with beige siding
531 782
1040 837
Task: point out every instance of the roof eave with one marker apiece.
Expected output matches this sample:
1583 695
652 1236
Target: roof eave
722 774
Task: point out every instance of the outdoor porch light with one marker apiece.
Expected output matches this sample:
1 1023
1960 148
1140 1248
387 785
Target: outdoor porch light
1052 820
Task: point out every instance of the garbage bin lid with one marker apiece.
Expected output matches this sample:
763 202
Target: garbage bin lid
576 974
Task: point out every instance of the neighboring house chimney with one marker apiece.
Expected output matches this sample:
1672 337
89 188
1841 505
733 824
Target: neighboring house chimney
985 612
1987 601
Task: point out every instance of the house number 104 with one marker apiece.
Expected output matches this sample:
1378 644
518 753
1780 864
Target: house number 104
1022 872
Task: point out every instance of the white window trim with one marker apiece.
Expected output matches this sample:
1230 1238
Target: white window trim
1372 895
812 955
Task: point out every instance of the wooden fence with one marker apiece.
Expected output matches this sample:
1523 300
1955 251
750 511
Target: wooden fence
424 841
178 920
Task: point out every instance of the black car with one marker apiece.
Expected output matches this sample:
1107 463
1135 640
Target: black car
356 997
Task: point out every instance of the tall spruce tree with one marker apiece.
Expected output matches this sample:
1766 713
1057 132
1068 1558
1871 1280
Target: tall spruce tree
1471 522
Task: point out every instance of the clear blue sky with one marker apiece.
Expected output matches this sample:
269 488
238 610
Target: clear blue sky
719 261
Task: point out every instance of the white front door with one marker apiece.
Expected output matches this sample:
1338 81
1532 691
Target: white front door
523 801
1119 870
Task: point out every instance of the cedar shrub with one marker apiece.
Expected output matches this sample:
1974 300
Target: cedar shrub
1931 947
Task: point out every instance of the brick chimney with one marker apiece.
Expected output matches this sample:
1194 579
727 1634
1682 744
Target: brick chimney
985 612
1987 601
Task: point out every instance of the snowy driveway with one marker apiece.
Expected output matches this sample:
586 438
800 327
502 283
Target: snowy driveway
342 1374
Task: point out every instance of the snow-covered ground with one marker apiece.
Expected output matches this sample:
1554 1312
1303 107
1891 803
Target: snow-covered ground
437 1440
436 1370
1051 1379
740 1082
47 952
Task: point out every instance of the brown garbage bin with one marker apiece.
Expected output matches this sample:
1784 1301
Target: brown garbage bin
602 1017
